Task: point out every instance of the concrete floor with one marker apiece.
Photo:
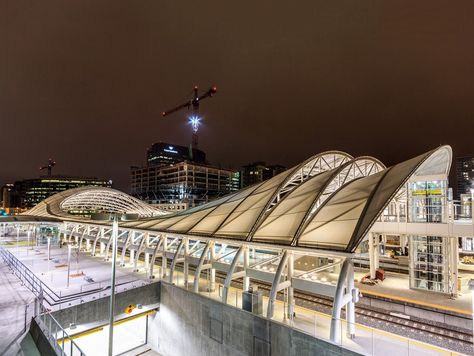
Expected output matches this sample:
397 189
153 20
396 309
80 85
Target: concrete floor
128 335
15 300
54 272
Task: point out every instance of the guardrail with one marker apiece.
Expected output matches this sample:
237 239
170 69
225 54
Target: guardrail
56 335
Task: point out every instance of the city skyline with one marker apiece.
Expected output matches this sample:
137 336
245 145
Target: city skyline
85 83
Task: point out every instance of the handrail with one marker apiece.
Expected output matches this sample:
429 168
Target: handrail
53 335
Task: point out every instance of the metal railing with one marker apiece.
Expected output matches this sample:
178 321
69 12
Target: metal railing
56 335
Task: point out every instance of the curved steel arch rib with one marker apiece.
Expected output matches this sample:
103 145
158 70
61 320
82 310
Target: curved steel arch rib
287 216
344 218
95 199
313 166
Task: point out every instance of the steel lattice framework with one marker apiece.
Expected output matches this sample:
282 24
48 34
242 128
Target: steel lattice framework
94 199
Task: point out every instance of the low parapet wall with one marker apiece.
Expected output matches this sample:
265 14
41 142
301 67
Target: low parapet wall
98 310
191 324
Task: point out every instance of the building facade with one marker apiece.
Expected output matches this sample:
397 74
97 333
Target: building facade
464 175
257 172
25 194
182 183
176 177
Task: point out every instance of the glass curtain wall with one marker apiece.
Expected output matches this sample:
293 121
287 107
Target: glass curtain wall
429 263
427 201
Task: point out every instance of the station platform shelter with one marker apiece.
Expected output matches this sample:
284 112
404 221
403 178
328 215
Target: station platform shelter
324 227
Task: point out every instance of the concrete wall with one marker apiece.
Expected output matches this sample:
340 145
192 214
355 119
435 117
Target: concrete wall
42 343
98 310
190 324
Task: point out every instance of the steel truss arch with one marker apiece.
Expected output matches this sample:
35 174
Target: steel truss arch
314 165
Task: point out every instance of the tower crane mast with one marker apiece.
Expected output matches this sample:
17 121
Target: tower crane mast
49 167
193 103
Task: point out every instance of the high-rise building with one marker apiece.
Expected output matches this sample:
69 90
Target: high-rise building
258 172
27 193
464 175
6 196
162 153
173 178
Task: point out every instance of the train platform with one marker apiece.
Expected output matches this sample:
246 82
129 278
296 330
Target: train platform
396 287
89 277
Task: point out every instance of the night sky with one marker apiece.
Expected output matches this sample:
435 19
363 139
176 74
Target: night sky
85 82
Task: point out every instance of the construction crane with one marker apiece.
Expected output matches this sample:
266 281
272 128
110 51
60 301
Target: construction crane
49 167
193 103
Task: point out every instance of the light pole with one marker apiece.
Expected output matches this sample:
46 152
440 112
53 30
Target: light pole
69 248
112 284
18 239
115 226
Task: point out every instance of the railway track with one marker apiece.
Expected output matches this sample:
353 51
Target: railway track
421 330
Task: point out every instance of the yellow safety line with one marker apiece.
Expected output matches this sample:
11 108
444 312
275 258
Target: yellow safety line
81 334
437 306
134 317
100 328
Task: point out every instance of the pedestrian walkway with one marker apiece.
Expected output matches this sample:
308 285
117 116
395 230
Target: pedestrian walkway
16 308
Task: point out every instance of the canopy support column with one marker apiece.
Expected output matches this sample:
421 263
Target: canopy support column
153 256
231 274
291 297
124 247
212 280
141 248
200 266
176 258
246 280
100 233
276 285
164 259
346 295
373 254
186 263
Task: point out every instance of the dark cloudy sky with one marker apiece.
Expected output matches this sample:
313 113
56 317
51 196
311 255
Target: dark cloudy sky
85 82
